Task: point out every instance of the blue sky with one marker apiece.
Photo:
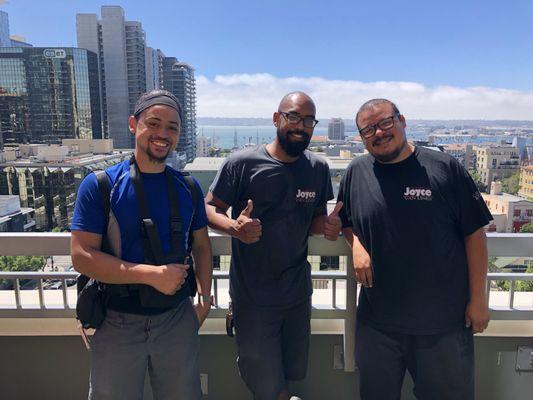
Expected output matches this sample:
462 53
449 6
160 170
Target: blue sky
457 44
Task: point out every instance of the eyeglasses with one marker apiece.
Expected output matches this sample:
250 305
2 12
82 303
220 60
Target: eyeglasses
385 124
309 122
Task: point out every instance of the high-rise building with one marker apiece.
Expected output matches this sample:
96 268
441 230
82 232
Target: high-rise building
48 94
154 68
336 129
5 41
178 78
120 46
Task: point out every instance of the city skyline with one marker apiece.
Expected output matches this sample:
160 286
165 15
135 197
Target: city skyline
446 61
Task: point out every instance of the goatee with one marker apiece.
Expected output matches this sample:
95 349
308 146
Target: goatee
293 148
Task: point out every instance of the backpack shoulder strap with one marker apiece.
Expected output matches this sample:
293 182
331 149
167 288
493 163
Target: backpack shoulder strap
192 187
104 188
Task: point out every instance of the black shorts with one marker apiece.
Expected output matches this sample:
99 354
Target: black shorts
273 346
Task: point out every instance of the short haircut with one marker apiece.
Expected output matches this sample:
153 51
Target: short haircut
373 103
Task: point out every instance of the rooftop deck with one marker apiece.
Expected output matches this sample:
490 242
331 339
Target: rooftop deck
39 335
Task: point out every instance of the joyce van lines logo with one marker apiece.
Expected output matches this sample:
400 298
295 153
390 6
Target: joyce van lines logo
417 193
306 196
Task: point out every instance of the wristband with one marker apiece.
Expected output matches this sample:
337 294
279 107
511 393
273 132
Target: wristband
206 298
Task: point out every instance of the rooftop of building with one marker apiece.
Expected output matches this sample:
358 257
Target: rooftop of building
71 153
71 161
214 163
511 198
455 146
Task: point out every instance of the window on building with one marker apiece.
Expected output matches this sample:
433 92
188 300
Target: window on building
516 213
329 262
529 212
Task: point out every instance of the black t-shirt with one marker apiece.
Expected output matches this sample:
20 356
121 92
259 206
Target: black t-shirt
286 196
412 217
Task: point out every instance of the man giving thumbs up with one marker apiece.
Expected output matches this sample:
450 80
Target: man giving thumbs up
278 194
247 229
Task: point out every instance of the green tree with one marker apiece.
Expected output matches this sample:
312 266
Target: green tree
511 184
527 228
477 180
526 286
20 263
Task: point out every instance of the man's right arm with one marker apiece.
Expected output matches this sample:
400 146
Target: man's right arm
244 228
362 263
89 260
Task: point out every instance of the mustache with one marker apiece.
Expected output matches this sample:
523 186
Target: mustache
298 132
160 139
381 139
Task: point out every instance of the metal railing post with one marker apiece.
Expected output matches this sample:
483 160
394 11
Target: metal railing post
350 319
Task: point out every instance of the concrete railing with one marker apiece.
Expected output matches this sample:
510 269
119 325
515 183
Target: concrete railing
341 307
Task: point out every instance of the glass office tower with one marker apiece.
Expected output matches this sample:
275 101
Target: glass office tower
49 94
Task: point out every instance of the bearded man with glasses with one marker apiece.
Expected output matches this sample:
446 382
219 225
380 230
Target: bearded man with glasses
278 194
414 219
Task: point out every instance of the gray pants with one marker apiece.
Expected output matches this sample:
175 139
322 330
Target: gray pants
127 345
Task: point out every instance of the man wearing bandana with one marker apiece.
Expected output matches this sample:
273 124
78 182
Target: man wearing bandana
139 335
278 194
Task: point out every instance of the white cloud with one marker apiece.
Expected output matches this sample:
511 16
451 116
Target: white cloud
257 95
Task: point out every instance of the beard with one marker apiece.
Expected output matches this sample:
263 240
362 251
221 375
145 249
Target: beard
293 148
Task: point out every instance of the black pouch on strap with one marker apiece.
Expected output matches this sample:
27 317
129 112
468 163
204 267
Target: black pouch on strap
92 302
93 296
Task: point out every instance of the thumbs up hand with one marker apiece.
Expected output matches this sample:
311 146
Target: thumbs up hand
333 224
247 230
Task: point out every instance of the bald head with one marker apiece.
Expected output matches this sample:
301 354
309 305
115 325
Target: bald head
297 100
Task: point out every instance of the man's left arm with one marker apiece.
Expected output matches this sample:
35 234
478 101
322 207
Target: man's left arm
203 261
477 311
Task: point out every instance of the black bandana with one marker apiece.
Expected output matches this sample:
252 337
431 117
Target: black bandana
158 98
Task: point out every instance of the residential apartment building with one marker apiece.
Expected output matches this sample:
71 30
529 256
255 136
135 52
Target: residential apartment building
178 78
526 182
510 212
48 94
462 152
121 49
496 162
